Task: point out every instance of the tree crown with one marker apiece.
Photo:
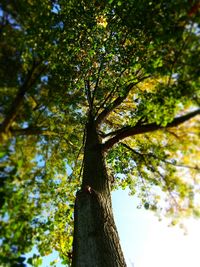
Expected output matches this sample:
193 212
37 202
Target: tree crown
132 66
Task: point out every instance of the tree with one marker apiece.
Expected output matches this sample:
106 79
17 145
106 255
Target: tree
96 95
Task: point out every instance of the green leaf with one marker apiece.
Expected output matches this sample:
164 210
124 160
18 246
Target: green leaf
2 154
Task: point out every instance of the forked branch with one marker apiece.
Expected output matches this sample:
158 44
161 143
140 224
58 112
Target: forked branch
105 113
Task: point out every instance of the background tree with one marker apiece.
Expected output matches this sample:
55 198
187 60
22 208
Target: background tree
95 95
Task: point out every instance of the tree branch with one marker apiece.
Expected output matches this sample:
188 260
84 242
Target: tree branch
32 76
32 131
141 129
88 94
109 95
97 83
104 114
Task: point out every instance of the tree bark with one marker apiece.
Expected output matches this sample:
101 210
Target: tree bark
96 241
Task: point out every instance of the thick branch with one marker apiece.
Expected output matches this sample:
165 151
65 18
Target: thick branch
32 76
104 114
88 94
141 129
97 83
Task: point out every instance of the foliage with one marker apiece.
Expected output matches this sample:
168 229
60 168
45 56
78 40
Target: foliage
132 64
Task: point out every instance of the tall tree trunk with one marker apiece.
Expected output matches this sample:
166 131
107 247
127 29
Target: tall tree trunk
96 241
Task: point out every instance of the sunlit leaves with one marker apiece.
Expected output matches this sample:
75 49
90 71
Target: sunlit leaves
161 170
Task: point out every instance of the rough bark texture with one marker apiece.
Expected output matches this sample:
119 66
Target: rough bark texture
96 241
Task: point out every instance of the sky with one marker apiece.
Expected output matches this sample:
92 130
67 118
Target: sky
147 242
